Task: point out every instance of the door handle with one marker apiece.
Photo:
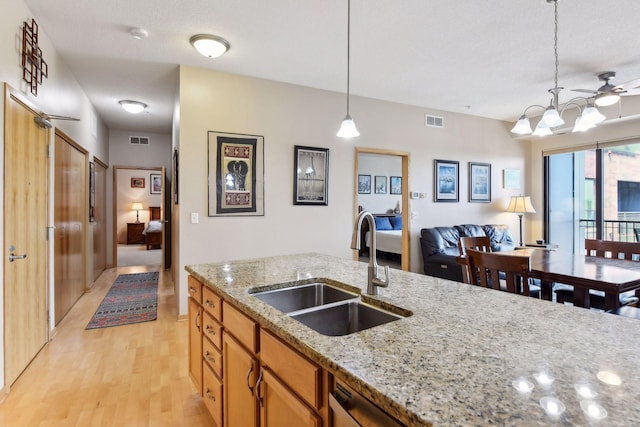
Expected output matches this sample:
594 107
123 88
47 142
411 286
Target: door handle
13 257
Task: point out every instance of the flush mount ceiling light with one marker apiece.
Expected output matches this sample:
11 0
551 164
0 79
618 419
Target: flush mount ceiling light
552 117
133 107
348 127
138 33
209 45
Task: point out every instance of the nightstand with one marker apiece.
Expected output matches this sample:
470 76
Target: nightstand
134 233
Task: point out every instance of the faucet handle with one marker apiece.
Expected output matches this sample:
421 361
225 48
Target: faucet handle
382 283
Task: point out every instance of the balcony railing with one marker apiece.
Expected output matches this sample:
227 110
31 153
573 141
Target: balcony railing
626 230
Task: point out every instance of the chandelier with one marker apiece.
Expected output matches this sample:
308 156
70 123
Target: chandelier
588 116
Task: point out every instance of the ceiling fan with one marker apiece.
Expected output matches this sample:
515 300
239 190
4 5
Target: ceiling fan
608 94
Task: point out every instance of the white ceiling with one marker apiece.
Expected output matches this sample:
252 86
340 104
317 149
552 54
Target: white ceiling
489 58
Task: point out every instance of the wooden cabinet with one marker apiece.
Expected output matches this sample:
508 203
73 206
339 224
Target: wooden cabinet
134 233
240 370
195 343
280 407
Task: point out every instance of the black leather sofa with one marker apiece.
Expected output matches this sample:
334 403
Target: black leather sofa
440 246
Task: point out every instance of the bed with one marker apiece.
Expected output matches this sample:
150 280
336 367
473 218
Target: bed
153 231
388 234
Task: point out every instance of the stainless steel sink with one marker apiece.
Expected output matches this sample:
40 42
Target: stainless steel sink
300 297
345 318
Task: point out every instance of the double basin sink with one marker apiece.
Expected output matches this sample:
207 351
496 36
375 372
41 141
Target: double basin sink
327 309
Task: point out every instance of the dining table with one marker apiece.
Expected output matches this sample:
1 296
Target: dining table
610 275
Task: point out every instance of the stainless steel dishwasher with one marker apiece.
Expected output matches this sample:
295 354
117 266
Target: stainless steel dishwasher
350 409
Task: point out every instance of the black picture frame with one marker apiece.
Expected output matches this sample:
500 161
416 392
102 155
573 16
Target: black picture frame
155 183
479 182
380 184
364 184
310 176
395 185
446 181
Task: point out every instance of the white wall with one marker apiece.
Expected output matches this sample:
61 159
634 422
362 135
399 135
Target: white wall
379 165
288 115
59 94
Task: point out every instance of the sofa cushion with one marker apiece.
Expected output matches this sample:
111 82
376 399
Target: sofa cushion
382 223
470 230
501 239
440 240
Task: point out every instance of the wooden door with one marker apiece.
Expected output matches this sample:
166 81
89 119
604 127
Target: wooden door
25 231
280 407
99 219
70 217
239 378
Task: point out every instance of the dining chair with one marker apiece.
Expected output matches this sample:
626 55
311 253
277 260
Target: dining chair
603 249
479 243
488 268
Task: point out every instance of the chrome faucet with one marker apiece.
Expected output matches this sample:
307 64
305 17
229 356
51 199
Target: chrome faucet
373 281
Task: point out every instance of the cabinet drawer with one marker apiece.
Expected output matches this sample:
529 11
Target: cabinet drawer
213 356
212 330
212 303
241 327
295 370
212 394
194 287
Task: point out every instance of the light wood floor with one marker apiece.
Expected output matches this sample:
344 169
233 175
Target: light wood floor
133 375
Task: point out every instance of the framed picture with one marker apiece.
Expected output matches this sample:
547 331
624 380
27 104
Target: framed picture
364 184
512 179
479 182
310 175
395 184
236 174
137 182
92 191
156 183
381 185
445 180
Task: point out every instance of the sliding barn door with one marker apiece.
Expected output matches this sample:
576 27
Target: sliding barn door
70 217
25 230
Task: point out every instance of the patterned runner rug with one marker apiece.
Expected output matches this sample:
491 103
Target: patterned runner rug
133 298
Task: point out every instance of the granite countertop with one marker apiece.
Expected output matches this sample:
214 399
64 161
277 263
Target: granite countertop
460 358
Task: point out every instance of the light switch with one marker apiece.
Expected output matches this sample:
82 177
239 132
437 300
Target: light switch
194 218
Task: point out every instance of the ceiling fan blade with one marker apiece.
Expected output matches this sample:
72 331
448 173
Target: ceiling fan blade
632 84
594 92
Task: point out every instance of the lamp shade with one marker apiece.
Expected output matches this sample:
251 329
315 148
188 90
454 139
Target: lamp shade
542 130
137 206
209 45
348 128
606 99
551 118
522 126
592 116
133 107
520 205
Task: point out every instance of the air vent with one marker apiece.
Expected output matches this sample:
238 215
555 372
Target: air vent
433 121
139 140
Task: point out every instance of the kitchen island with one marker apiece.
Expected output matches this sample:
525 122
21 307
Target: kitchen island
465 355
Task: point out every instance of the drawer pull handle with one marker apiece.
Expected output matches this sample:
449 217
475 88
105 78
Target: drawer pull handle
209 395
248 375
260 400
192 290
210 330
209 357
209 304
197 320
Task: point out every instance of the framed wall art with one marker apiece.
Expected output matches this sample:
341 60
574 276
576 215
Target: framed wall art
479 182
310 175
236 174
137 182
511 179
364 184
381 185
395 185
445 180
156 183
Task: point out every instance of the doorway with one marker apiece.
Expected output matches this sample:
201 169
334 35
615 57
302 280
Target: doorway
98 200
387 174
26 196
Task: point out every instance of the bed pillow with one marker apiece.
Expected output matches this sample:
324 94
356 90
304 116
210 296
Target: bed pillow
382 223
396 222
154 226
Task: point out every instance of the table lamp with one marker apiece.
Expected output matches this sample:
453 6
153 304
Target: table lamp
137 206
520 205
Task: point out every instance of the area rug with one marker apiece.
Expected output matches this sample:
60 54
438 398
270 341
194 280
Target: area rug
133 298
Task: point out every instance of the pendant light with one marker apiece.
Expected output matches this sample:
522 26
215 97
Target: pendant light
348 127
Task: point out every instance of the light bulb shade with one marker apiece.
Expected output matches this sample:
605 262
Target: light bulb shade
551 118
520 205
136 206
209 45
133 107
522 126
606 99
581 125
542 130
592 116
348 128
